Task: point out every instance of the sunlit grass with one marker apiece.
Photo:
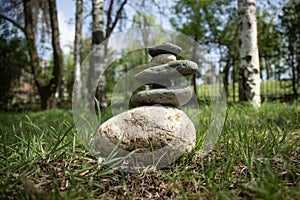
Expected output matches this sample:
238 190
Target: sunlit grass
256 157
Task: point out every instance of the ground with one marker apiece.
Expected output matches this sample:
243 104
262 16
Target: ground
256 157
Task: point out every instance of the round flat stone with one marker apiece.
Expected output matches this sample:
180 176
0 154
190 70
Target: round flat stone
159 135
173 96
162 59
168 71
164 48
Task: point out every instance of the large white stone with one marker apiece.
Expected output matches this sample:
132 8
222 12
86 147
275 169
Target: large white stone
159 135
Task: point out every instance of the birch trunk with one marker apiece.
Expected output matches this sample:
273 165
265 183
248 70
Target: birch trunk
249 72
98 53
77 49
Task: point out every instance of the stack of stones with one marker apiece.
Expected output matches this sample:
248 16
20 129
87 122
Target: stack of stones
155 129
164 68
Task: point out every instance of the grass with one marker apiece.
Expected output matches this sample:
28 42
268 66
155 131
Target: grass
256 157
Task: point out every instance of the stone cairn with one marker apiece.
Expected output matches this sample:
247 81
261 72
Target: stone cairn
156 129
164 68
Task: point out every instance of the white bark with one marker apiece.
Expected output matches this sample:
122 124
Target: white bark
98 16
77 49
98 54
249 74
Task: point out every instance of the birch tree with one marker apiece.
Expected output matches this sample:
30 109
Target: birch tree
99 34
249 71
77 48
98 52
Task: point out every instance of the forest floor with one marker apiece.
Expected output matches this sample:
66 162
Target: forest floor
256 157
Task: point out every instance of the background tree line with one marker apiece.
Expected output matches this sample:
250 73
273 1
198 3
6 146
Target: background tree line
27 26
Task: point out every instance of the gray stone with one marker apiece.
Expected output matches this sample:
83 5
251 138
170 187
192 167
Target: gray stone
164 48
159 135
162 59
168 71
173 96
162 84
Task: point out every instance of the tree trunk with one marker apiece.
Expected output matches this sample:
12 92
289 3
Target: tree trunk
46 91
98 53
226 76
77 49
195 59
249 72
32 49
57 54
267 66
45 95
233 79
292 65
298 64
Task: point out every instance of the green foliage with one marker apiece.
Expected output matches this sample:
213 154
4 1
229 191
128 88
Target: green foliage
120 67
130 60
142 19
290 20
68 74
203 20
214 24
270 44
13 60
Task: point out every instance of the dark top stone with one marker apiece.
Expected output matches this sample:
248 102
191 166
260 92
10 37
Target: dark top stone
164 48
168 71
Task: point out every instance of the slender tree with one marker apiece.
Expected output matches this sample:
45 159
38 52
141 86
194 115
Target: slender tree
290 20
99 34
55 81
249 72
77 48
31 45
98 52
